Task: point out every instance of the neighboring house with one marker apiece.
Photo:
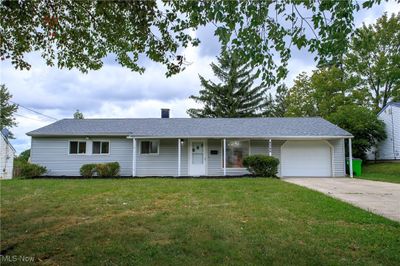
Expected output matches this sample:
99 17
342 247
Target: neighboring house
190 146
389 149
7 153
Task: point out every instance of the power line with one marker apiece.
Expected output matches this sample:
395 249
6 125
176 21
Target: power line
29 117
39 113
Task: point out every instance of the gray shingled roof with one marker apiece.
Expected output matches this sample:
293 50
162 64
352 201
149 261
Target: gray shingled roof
194 127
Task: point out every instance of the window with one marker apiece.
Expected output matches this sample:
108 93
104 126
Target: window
77 147
149 147
101 147
236 151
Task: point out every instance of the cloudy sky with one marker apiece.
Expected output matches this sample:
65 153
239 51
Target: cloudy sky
115 91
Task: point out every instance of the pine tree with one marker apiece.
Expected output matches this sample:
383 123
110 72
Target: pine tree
78 115
235 95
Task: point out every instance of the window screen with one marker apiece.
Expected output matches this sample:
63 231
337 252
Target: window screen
73 147
81 147
149 147
77 147
101 147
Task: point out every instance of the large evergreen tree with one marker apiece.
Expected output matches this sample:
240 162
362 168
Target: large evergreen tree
7 109
235 95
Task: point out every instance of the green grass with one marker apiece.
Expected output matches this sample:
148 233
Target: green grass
387 172
189 222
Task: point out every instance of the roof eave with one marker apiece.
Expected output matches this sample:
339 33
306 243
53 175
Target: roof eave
247 137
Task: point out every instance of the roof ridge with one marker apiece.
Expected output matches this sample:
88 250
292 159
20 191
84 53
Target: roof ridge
171 118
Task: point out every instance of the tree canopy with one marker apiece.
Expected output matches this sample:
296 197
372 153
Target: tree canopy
24 156
7 109
363 123
322 93
374 57
79 34
78 115
235 95
332 94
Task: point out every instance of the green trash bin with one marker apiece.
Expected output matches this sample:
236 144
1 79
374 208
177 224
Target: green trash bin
356 166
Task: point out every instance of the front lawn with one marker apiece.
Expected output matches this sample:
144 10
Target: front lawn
189 222
387 172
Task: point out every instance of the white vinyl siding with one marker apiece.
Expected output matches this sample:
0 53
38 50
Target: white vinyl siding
165 163
339 168
7 154
53 153
389 149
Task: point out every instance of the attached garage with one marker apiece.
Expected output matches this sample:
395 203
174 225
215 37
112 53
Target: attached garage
306 158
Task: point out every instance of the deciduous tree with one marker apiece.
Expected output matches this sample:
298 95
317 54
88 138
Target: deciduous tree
374 56
79 34
7 109
363 123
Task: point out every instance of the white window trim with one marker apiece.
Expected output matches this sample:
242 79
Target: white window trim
80 154
222 153
104 154
149 154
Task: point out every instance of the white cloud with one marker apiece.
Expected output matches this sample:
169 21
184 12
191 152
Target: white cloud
112 91
391 7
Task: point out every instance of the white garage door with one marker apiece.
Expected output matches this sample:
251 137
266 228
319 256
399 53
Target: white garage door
306 158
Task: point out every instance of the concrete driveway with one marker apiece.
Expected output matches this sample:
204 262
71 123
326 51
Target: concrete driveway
378 197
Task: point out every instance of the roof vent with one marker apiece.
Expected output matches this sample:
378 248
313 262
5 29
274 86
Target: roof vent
164 113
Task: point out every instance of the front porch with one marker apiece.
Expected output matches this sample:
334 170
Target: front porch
224 156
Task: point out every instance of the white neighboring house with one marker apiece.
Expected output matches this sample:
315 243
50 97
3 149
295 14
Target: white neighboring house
7 153
389 149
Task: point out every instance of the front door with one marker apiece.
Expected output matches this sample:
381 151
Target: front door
197 158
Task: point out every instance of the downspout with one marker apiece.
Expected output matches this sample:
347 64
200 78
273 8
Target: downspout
224 163
393 136
270 147
179 157
350 159
133 154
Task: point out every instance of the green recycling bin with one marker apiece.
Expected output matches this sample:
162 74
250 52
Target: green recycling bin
356 166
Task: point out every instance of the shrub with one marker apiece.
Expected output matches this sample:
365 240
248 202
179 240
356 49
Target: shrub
107 169
88 170
25 169
261 165
114 168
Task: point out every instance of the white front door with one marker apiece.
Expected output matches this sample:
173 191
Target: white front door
197 157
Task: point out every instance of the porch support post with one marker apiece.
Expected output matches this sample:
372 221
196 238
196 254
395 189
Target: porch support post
270 147
133 157
224 163
350 159
179 157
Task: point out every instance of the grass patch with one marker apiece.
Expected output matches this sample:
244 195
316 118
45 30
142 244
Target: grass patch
189 222
387 172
